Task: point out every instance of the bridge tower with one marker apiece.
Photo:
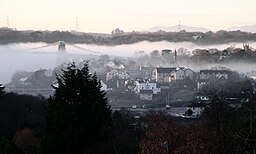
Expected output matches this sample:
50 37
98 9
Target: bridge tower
62 56
62 47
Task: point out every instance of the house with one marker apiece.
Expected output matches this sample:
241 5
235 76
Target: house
147 85
146 95
134 74
48 73
172 74
166 52
146 72
202 83
117 73
104 87
141 73
181 73
115 84
195 109
25 81
213 74
216 76
161 74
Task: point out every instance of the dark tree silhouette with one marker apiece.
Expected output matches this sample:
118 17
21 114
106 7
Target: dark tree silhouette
78 116
1 89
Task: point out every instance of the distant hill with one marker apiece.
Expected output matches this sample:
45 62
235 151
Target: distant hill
176 28
249 28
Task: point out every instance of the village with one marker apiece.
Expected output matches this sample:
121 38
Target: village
138 87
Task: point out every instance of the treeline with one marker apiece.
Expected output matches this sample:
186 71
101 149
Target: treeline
222 129
22 122
8 35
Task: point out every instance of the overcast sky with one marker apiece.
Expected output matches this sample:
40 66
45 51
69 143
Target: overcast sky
106 15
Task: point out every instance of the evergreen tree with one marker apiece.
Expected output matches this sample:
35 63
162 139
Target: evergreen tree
1 89
78 116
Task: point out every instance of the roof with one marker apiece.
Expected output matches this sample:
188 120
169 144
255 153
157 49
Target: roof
165 70
146 81
222 78
147 68
146 91
213 71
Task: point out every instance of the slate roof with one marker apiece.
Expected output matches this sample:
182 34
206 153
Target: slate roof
165 70
213 71
146 91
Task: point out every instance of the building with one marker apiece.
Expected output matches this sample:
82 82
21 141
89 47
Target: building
217 76
118 74
147 85
134 74
146 95
161 74
147 72
213 74
104 87
181 73
195 109
164 75
141 73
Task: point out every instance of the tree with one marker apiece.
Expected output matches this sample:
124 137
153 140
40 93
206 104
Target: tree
161 135
155 53
78 116
27 141
1 89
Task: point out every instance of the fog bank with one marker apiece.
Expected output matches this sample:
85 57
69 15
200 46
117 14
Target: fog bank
15 57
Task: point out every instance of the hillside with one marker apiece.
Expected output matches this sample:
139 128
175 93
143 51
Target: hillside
249 28
176 28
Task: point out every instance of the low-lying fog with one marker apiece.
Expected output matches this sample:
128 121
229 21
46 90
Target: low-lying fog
14 57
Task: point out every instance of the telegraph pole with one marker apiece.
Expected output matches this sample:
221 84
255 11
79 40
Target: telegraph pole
179 27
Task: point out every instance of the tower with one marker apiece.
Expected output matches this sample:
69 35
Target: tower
179 26
62 56
62 47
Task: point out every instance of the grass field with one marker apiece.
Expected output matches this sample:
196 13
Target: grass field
183 95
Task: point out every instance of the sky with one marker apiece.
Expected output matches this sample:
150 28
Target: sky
105 15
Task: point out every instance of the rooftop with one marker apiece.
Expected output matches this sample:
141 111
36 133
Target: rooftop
146 91
165 70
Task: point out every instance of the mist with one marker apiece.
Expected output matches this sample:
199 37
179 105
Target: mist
14 57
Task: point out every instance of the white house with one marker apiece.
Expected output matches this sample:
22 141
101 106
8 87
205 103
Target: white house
147 85
104 87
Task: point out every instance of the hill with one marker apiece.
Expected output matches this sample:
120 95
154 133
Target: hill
248 28
175 28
